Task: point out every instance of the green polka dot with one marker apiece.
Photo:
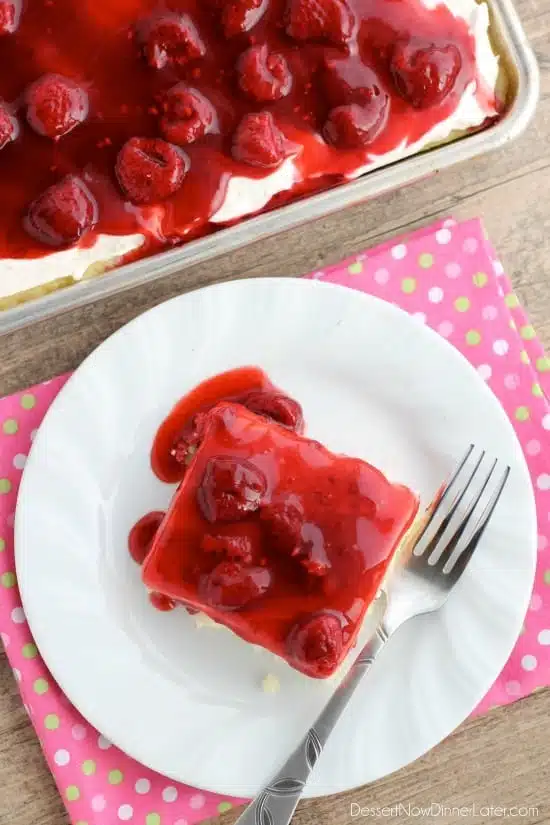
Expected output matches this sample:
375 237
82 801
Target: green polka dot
10 426
51 722
8 579
480 279
72 793
473 337
40 686
462 304
29 651
536 389
524 357
152 819
115 777
528 332
5 485
355 268
89 767
2 545
546 577
522 414
511 300
543 364
408 285
426 260
28 401
224 806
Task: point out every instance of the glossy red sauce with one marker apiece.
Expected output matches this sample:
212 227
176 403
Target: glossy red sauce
142 534
275 537
117 72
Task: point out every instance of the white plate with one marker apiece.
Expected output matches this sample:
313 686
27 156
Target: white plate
186 701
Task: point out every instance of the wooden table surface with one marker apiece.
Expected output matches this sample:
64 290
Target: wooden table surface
500 760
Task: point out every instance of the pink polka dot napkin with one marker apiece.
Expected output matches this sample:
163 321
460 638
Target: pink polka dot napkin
447 276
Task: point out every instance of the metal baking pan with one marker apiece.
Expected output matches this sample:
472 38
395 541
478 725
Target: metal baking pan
523 74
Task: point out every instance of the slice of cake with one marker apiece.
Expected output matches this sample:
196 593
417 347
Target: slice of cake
278 539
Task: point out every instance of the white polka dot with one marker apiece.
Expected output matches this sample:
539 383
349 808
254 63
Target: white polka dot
489 313
529 662
62 757
485 371
546 422
18 615
17 674
98 803
170 794
511 381
33 434
470 246
501 347
512 688
197 801
443 236
535 603
5 639
125 812
420 316
381 276
19 461
543 481
542 543
398 252
449 222
453 270
544 637
435 295
532 447
143 786
78 732
498 269
445 329
103 743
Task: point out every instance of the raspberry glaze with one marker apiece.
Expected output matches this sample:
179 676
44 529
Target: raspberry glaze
269 533
322 82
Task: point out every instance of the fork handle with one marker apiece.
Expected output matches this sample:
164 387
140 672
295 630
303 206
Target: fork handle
276 803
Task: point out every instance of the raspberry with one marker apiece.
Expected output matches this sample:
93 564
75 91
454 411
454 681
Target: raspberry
142 535
425 76
284 521
10 12
258 141
150 170
9 126
55 105
62 214
231 586
240 16
235 548
327 20
275 405
350 81
188 115
171 38
354 127
315 644
189 439
264 76
231 489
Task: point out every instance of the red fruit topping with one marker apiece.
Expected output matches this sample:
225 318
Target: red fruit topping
283 521
189 439
235 548
171 39
231 586
142 534
188 115
275 405
264 76
161 602
315 644
150 170
350 81
231 489
9 127
10 12
425 76
329 20
239 16
62 214
55 105
353 126
258 141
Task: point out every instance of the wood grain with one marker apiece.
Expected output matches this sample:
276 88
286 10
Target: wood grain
501 759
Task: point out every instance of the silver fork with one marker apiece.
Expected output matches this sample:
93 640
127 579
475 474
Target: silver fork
456 522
